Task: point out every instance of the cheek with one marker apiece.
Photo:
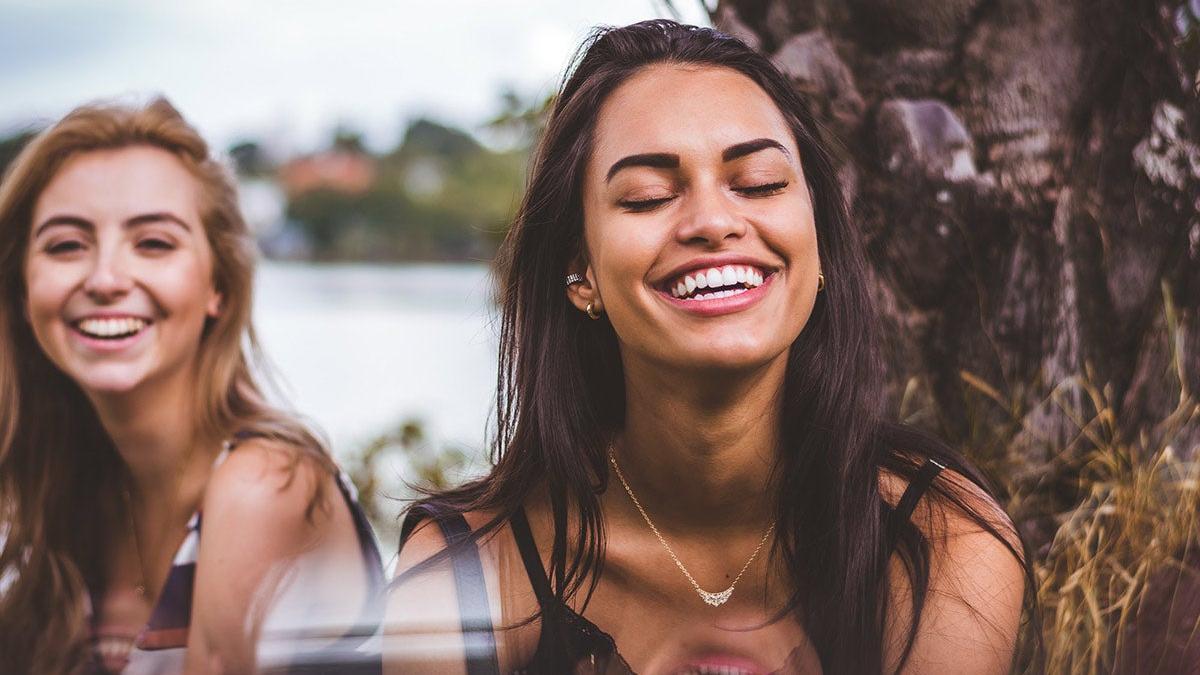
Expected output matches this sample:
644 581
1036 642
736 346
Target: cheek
622 254
182 288
46 292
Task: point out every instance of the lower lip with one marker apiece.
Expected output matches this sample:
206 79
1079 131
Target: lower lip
108 346
714 662
719 306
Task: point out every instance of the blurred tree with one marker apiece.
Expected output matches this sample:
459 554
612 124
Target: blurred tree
249 159
1027 176
348 139
11 146
440 194
429 138
520 121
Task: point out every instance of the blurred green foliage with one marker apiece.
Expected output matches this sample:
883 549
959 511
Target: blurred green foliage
396 465
11 146
439 194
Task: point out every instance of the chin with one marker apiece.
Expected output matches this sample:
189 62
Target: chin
108 381
730 357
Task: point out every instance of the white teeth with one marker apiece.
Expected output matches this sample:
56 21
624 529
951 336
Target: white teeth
111 327
731 279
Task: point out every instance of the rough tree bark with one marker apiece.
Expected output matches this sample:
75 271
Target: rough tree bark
1027 176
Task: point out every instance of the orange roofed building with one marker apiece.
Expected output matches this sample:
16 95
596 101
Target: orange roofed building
337 170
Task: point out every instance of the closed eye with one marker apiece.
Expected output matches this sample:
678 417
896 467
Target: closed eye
764 190
641 205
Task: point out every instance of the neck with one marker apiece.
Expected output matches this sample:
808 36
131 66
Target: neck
154 430
698 449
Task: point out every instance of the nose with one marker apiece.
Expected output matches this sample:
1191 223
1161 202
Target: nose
710 218
107 280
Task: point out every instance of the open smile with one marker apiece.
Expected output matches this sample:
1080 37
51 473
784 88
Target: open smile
110 328
714 283
712 289
110 333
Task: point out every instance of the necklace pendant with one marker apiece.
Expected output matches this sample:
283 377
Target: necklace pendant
140 590
716 599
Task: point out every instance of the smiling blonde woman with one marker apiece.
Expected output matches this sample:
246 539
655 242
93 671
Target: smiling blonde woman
158 515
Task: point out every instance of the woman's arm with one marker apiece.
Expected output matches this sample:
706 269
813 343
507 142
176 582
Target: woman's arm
972 611
263 533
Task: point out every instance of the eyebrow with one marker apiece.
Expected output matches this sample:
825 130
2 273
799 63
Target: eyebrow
750 147
663 160
654 160
140 219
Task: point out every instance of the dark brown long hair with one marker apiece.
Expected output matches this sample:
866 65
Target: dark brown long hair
61 478
561 397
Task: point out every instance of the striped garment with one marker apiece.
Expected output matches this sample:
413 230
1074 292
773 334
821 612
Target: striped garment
160 647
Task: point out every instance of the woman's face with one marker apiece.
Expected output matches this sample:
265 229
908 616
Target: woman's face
697 221
119 273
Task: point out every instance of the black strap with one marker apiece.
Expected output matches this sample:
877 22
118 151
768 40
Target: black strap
533 560
474 612
917 488
554 642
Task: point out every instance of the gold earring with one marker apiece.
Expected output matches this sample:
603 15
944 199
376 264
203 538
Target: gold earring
820 281
592 313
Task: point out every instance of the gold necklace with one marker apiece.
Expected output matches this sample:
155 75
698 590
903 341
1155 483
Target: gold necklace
140 587
714 599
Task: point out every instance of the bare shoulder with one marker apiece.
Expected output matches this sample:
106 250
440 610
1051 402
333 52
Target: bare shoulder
972 610
271 486
427 540
425 626
269 527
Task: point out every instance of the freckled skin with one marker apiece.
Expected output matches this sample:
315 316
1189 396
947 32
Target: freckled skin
696 113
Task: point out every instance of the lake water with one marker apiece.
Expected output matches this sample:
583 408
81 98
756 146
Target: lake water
359 348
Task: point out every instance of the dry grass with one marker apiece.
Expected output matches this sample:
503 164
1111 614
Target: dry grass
1138 519
1113 516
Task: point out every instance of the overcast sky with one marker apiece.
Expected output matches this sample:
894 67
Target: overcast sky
289 72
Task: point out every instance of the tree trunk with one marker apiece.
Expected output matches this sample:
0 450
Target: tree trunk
1027 177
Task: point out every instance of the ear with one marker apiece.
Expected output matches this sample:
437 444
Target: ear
584 293
213 307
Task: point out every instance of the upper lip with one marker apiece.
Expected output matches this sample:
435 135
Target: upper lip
718 261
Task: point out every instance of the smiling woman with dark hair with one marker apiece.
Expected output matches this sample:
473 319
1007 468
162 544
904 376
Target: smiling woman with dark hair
693 470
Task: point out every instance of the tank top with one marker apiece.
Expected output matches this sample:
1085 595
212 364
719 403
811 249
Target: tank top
569 643
161 646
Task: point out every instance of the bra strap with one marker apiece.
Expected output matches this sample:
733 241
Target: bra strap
532 560
474 612
917 488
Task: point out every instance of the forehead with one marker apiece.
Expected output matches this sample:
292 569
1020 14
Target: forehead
685 109
117 183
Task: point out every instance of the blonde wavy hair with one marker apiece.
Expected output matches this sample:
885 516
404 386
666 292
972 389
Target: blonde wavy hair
61 479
